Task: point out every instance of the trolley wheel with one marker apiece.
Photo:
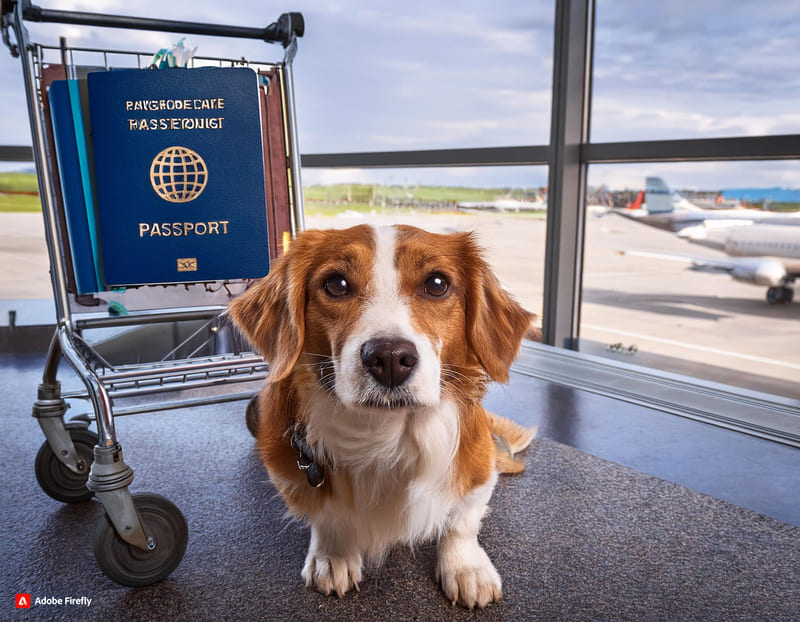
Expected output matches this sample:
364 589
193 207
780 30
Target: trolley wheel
57 480
132 566
251 416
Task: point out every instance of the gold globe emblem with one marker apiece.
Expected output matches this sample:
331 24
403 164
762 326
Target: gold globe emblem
178 174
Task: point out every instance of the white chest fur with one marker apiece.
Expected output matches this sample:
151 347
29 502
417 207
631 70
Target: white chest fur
390 471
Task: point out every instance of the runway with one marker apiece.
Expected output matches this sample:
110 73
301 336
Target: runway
636 310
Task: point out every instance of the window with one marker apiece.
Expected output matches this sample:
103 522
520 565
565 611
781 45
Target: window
675 300
691 69
389 76
686 72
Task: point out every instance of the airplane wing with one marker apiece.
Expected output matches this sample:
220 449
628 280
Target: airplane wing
757 270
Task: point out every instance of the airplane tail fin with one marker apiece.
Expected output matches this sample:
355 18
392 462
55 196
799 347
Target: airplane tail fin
637 202
657 196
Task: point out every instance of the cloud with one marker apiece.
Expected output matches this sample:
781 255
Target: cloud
683 119
695 69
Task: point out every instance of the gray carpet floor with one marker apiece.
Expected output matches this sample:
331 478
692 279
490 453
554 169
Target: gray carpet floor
575 538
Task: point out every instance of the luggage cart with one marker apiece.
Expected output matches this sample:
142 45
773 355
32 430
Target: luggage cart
142 537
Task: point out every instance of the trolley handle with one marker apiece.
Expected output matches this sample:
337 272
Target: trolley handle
287 26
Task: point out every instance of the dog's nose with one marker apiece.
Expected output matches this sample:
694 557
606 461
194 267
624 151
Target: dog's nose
390 361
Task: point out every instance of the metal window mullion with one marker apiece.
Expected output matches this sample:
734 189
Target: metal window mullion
775 147
472 156
567 171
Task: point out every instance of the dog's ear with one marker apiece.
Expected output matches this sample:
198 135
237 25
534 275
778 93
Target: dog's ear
272 315
496 323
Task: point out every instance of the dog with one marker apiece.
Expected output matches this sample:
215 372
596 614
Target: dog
381 342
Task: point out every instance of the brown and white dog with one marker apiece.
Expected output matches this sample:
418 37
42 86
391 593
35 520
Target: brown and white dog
381 342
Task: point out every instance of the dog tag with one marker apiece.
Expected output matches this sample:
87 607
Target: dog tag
315 474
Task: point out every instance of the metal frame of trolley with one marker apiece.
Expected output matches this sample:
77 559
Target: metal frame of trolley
142 537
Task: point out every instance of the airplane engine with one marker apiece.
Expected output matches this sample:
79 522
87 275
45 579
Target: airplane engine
767 272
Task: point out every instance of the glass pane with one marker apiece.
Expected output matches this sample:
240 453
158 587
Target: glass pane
678 274
695 69
504 206
22 245
385 76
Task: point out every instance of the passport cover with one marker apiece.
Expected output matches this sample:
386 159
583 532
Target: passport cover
279 220
75 187
179 174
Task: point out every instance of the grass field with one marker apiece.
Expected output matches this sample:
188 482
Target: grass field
330 199
18 182
13 192
378 194
19 203
780 207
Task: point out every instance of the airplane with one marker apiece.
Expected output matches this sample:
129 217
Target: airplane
659 207
517 205
761 248
505 205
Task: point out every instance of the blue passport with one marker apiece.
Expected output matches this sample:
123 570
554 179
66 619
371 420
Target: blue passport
179 175
76 189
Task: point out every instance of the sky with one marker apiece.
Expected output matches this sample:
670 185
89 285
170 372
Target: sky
377 75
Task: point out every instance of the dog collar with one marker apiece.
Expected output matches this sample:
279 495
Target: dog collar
315 472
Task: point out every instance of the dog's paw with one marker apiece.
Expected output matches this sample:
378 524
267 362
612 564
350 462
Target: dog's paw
330 573
470 580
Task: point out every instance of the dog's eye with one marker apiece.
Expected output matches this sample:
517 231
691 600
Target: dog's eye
436 285
336 286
